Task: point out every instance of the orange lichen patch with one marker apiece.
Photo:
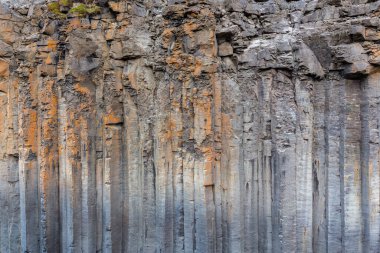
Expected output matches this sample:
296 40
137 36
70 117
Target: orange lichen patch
53 112
4 69
48 70
47 130
207 13
176 61
77 123
119 7
115 6
15 84
112 119
31 137
124 23
94 24
186 62
52 44
33 87
197 67
6 26
122 30
192 64
74 24
190 27
45 92
4 87
375 51
82 89
217 109
203 108
208 122
44 176
167 36
170 125
48 60
72 142
175 104
111 31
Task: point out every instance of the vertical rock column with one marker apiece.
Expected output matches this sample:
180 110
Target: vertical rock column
48 161
77 137
9 155
29 197
350 172
370 162
187 142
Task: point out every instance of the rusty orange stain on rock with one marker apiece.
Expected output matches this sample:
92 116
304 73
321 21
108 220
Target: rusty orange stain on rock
31 139
4 69
112 119
190 27
48 59
198 67
82 89
169 129
111 31
186 62
204 107
4 86
167 36
52 44
74 24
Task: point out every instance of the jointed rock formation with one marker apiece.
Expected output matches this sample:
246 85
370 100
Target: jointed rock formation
164 126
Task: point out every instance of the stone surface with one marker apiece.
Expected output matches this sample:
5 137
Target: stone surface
225 49
191 126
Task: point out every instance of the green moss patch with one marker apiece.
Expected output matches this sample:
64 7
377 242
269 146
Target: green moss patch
54 8
83 9
65 3
79 9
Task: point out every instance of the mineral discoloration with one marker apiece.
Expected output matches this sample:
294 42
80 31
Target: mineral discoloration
190 126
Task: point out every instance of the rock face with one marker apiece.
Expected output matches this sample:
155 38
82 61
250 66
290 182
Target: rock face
191 126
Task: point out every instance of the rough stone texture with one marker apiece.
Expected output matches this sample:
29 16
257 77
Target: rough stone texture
191 126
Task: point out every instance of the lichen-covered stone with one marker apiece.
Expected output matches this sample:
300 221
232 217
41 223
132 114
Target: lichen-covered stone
190 126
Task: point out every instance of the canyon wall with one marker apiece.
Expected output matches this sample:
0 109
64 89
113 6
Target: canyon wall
165 126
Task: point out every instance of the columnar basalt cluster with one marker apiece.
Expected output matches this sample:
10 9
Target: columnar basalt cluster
206 126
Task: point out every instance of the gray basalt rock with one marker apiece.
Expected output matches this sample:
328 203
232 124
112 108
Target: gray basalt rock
181 126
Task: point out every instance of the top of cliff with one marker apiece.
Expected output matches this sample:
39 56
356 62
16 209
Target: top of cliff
20 3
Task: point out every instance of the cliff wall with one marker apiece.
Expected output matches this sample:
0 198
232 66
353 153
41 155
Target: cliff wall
191 126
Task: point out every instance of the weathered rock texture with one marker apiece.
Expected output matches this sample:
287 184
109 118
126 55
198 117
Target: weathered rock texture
191 126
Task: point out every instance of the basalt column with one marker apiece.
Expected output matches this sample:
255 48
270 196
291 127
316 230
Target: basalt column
186 126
